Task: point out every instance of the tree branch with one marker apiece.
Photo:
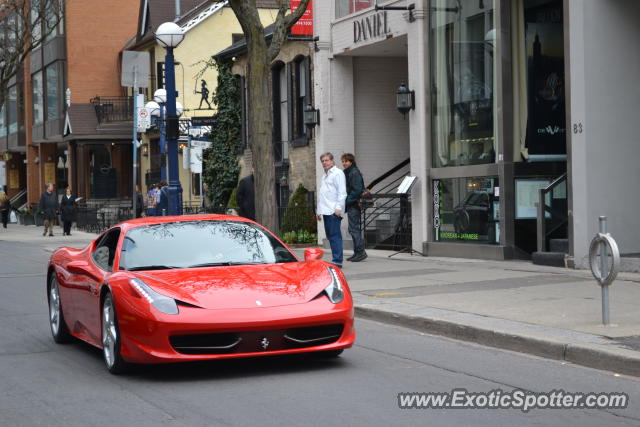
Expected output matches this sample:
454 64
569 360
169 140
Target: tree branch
282 25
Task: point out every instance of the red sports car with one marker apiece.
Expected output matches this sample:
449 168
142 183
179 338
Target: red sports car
167 289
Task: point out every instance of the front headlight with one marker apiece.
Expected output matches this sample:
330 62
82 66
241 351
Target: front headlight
162 302
334 291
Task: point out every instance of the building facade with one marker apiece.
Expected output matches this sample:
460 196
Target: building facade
509 97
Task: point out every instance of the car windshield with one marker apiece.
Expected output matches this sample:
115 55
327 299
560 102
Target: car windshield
186 244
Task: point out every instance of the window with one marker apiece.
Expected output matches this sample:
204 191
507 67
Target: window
35 21
302 97
105 250
53 91
3 121
53 22
466 210
281 111
38 98
347 7
189 244
13 109
462 64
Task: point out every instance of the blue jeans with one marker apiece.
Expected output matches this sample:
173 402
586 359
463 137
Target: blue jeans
353 215
332 229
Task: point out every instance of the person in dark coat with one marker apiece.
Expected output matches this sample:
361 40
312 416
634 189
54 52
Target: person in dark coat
5 208
139 202
49 207
245 196
163 202
68 211
355 187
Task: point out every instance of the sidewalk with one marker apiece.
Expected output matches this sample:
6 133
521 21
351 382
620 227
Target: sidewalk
515 305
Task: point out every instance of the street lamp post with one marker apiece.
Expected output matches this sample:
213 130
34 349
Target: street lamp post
170 35
158 111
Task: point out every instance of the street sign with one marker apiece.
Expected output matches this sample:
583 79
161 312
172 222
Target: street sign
196 159
203 121
135 69
144 119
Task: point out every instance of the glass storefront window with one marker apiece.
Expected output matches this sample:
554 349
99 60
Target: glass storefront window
462 69
466 210
38 98
53 92
347 7
13 109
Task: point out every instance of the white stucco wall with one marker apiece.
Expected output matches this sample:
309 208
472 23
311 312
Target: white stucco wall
381 133
604 72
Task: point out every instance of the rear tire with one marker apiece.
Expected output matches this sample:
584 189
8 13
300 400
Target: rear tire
59 329
111 338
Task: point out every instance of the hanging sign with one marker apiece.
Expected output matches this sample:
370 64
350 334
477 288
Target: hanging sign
304 26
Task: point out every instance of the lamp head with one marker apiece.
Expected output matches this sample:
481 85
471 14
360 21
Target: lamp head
160 96
154 107
169 34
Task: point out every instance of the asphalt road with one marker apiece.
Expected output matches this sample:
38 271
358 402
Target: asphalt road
42 383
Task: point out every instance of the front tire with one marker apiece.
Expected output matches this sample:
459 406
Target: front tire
58 325
111 338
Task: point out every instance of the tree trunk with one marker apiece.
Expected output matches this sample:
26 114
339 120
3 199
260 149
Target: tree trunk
260 128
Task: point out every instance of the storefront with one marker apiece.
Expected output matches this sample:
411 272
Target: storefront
509 97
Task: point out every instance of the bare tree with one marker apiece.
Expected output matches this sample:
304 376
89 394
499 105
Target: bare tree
24 26
260 108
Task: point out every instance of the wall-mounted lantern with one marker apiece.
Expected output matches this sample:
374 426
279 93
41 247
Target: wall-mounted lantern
405 99
311 116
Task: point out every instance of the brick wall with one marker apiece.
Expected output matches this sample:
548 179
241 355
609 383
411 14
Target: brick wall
96 31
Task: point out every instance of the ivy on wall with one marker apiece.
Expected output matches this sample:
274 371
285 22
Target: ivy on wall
221 167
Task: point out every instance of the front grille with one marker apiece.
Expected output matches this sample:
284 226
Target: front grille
256 342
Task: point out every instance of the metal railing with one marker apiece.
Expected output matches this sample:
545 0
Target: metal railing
113 108
386 216
552 213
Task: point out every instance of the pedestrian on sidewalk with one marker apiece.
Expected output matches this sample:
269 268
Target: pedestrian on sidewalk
245 196
163 199
331 198
152 200
139 202
355 187
5 208
49 207
68 211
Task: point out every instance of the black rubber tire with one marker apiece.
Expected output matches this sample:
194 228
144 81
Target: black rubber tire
117 365
60 333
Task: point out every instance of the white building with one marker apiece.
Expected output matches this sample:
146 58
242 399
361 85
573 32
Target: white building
509 97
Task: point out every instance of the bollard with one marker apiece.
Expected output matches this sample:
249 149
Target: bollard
164 212
601 246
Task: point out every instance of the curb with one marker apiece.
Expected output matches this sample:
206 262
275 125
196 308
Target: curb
598 356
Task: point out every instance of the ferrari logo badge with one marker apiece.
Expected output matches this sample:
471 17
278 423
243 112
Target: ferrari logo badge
264 343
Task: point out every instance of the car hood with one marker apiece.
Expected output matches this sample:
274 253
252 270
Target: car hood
245 286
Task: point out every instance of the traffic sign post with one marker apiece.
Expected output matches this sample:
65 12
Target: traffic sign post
604 259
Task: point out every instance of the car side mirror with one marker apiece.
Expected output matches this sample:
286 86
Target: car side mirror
311 254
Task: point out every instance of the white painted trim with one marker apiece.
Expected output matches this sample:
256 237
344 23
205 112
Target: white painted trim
203 15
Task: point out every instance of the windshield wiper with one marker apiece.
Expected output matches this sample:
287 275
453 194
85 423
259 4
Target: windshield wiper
226 263
152 267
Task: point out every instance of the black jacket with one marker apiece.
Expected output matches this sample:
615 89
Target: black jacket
68 208
355 185
49 204
245 196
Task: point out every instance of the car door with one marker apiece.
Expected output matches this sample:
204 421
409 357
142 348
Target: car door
87 298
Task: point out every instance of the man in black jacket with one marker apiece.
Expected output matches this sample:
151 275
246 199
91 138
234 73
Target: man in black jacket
245 196
355 187
49 207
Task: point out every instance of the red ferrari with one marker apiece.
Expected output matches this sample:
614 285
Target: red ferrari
170 289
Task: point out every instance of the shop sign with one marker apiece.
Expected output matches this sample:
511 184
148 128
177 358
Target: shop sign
371 27
304 26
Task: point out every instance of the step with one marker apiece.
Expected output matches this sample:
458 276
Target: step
559 245
553 259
